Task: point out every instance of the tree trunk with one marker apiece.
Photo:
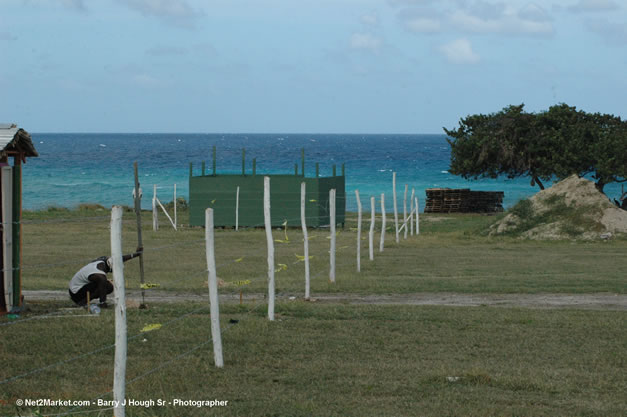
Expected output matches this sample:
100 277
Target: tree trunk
599 185
537 181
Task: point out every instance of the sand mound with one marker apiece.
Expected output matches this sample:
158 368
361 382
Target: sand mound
572 208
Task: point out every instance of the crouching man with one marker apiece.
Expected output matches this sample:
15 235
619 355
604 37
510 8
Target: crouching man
91 282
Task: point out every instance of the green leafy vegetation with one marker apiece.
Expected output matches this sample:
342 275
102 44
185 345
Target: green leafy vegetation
555 143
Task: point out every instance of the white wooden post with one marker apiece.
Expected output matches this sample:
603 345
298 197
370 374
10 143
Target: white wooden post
175 218
119 370
405 212
172 222
358 231
237 209
332 228
395 206
371 234
7 234
417 217
268 225
213 290
155 217
303 223
411 211
382 244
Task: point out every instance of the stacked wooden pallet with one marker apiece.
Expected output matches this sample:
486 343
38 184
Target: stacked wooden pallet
448 200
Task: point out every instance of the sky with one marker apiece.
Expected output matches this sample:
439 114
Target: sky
303 66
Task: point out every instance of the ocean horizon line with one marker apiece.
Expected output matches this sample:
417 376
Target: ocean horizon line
232 133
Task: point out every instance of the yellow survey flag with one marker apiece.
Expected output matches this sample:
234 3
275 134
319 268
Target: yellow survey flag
151 327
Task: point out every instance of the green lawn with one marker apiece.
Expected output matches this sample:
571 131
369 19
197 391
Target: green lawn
330 360
449 255
319 359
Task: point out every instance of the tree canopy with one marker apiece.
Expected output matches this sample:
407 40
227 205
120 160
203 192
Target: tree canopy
555 143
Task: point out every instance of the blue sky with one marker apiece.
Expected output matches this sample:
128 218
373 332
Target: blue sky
311 66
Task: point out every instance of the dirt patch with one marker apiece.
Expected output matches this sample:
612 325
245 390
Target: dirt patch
572 208
606 301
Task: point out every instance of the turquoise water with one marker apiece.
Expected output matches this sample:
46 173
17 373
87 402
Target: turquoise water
98 168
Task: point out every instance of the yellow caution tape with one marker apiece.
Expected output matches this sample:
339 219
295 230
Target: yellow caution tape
239 259
151 327
281 241
148 285
301 258
282 267
241 283
313 201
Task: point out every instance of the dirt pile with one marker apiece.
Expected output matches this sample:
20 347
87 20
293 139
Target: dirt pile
572 208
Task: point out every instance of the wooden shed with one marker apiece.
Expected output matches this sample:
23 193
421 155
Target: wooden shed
220 192
15 146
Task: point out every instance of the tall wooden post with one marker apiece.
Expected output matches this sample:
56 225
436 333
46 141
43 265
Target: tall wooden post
332 227
268 226
405 219
216 336
119 371
305 237
371 233
138 214
395 205
358 230
382 244
7 235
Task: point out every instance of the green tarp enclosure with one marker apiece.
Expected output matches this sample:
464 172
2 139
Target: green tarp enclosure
219 192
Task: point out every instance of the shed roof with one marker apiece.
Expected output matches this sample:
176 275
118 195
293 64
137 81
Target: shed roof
14 139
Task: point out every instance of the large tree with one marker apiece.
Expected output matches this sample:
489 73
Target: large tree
555 143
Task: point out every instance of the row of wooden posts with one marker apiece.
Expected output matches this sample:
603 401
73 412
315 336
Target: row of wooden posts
119 376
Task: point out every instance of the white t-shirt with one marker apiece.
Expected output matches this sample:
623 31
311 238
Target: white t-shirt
81 278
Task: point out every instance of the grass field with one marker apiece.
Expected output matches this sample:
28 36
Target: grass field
326 359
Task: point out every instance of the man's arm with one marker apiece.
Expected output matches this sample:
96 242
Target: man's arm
101 280
135 254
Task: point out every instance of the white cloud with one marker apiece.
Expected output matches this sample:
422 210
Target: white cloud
176 12
594 6
370 19
423 25
77 5
366 41
421 20
612 33
459 52
504 19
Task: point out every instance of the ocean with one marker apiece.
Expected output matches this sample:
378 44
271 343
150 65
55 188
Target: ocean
77 168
